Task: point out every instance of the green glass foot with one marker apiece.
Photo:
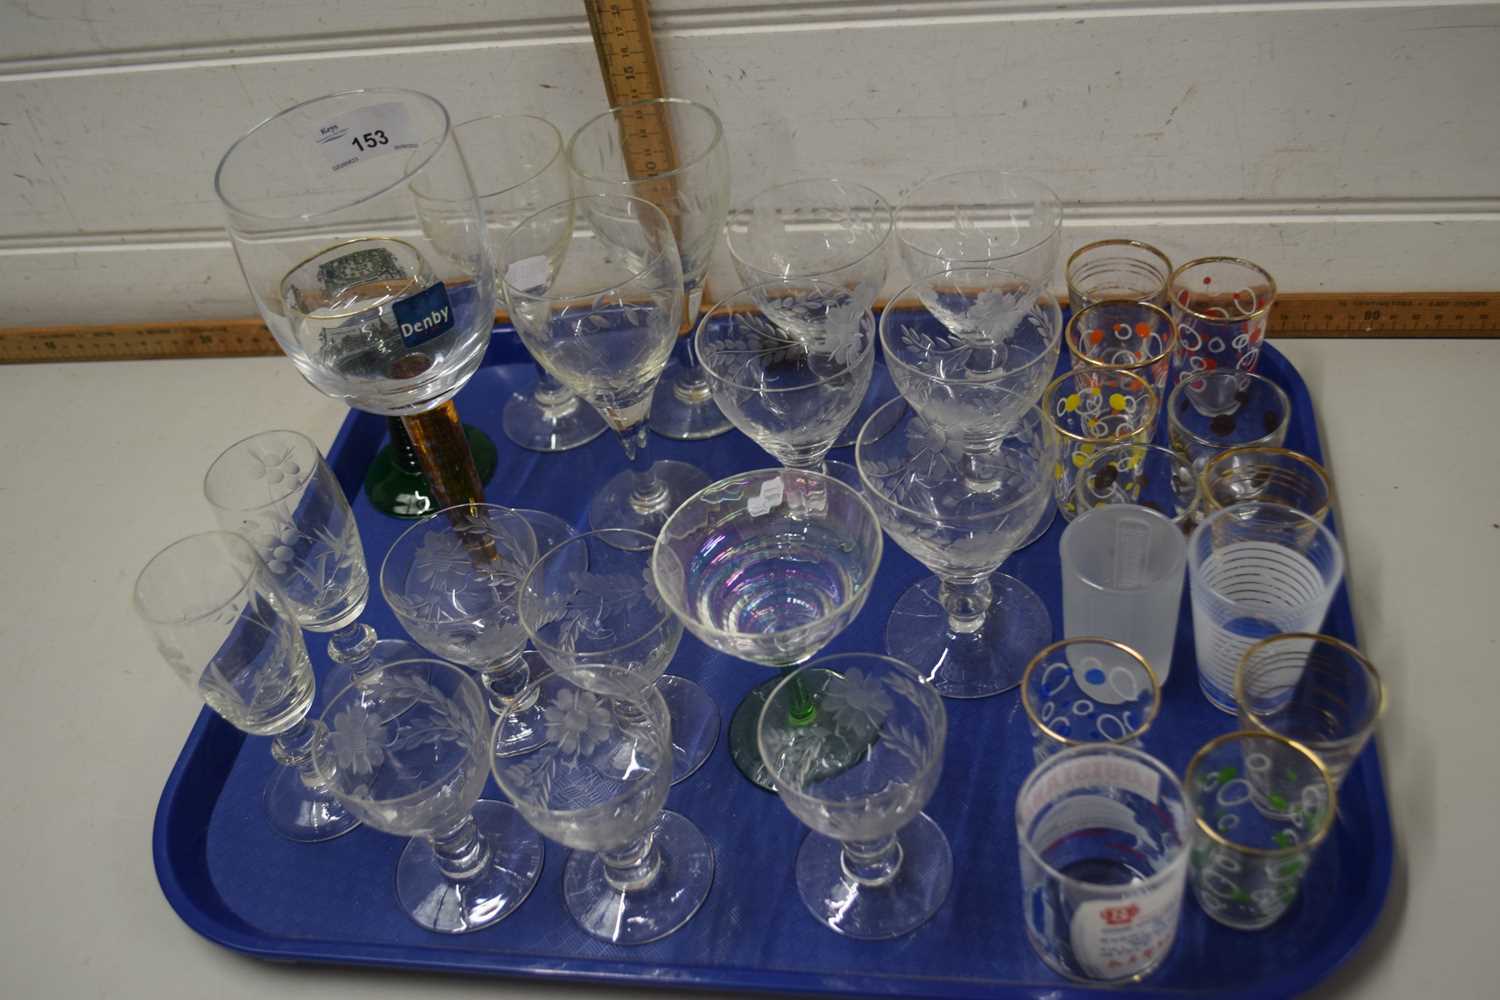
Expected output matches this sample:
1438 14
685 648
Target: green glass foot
834 750
395 484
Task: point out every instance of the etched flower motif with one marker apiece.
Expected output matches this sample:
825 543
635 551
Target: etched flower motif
358 740
440 557
855 700
577 722
276 540
274 465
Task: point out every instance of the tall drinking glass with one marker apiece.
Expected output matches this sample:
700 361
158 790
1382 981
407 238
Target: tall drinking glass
687 177
1222 306
1117 269
361 239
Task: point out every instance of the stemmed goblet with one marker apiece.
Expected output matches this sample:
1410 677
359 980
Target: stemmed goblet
981 217
789 365
601 313
408 753
687 177
969 630
597 784
874 866
591 608
768 566
220 621
380 297
824 229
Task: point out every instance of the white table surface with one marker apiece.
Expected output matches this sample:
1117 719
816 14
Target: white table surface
100 466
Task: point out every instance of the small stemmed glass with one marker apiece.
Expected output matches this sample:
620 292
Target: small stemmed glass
408 752
874 866
600 310
223 625
687 178
768 566
597 785
593 613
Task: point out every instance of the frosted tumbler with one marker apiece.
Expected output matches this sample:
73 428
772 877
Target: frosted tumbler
1255 570
1122 568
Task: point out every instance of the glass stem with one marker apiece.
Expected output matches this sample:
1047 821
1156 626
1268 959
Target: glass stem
504 681
690 384
461 852
648 494
872 862
967 603
293 748
352 646
402 450
555 399
443 450
633 866
801 709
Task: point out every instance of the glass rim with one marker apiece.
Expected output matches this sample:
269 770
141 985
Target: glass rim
1118 241
422 522
1372 675
880 205
1179 857
648 261
1013 175
714 143
464 679
1153 404
1150 512
701 331
1279 510
557 153
1071 337
584 537
1325 823
1043 295
1182 269
696 624
1255 377
1034 714
1043 483
413 166
233 540
1319 472
934 761
296 484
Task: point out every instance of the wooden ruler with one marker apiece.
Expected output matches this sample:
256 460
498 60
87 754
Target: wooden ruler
246 338
627 61
1413 314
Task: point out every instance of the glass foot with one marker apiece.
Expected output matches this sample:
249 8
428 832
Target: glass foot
836 750
695 723
876 912
550 530
301 814
524 730
429 898
549 428
881 391
649 914
611 506
685 414
1048 516
975 664
404 492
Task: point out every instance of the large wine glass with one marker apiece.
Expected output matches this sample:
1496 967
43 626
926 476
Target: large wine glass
673 154
600 311
363 244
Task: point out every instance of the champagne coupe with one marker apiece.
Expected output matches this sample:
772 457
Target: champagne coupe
687 177
601 311
409 753
519 168
361 239
826 229
768 566
222 624
969 630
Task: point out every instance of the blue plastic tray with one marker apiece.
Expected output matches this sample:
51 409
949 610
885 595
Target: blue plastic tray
237 883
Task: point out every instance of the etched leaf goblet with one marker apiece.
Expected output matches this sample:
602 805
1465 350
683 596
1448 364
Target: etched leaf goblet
593 613
969 630
597 784
222 624
874 866
418 773
984 216
768 566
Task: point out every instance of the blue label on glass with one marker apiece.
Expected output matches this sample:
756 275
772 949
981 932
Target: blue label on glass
424 315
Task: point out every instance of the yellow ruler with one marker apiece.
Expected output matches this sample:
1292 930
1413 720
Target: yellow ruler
627 61
246 338
1368 314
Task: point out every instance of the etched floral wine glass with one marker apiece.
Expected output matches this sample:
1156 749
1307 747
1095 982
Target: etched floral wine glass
223 625
985 217
593 613
789 365
418 772
768 566
360 237
969 630
824 229
597 784
688 179
602 316
874 866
